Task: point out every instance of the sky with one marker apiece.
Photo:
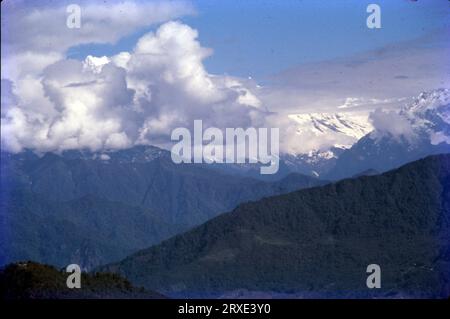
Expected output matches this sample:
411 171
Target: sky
259 38
137 69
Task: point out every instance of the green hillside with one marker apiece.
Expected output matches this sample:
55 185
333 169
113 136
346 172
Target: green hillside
316 242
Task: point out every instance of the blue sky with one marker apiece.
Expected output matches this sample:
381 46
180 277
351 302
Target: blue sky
259 38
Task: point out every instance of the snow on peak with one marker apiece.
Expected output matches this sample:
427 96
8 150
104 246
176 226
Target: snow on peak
428 116
430 100
95 64
429 108
345 124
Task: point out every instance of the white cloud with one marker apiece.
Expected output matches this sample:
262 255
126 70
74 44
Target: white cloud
391 122
378 78
37 36
172 56
89 109
133 97
64 104
173 88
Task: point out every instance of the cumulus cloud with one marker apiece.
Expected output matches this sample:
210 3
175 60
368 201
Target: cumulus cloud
36 36
135 97
172 87
88 109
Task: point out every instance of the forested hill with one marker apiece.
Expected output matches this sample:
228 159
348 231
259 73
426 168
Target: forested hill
30 280
316 242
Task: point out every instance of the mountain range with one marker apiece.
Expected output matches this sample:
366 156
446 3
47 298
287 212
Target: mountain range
419 128
96 208
315 242
423 128
348 128
353 143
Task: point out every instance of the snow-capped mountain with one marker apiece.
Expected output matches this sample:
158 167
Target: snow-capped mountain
335 145
346 127
322 137
314 163
419 129
430 113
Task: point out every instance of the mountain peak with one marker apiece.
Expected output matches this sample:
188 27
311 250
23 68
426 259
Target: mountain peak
430 100
351 125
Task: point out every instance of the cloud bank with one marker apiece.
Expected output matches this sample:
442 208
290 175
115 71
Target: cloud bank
137 97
